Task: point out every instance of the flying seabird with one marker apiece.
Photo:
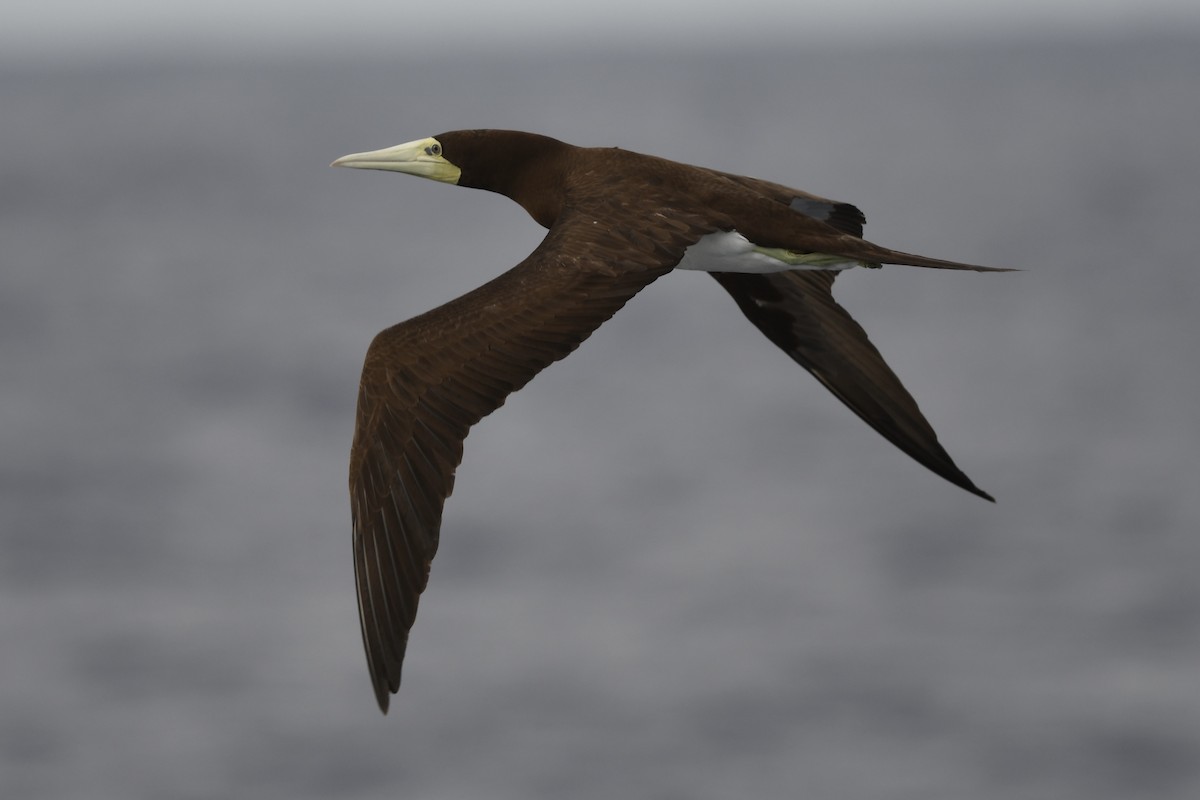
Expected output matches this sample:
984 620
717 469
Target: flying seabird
617 221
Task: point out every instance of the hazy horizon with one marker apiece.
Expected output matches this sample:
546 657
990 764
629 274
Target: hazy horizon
127 28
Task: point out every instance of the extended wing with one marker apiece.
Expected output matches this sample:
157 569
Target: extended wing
428 380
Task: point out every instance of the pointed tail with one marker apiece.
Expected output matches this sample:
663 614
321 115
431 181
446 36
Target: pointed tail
886 256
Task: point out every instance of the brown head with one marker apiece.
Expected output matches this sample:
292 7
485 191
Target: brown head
526 167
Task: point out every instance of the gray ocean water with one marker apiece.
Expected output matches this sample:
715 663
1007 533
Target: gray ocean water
673 566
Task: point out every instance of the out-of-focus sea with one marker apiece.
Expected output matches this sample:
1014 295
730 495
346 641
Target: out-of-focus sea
674 566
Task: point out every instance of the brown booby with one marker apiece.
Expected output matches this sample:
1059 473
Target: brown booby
617 220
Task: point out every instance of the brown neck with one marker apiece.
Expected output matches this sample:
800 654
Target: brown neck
525 167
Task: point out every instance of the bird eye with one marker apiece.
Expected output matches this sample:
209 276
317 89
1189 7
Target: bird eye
434 149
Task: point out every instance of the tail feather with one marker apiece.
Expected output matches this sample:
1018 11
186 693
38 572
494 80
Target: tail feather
885 256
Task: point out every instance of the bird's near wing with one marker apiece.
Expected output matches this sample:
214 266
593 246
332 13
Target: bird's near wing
797 312
428 380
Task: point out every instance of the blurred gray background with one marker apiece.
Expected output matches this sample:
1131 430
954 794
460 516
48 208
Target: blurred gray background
673 566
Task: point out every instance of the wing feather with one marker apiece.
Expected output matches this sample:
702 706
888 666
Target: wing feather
426 381
797 312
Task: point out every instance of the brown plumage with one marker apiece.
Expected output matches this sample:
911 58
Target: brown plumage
617 221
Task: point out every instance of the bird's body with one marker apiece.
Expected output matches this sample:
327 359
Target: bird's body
617 221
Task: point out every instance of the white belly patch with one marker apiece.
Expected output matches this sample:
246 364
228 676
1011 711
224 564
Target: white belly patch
729 251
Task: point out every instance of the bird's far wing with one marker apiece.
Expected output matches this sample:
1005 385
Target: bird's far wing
797 312
428 380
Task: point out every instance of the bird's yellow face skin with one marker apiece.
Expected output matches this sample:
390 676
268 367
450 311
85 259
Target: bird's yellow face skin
422 157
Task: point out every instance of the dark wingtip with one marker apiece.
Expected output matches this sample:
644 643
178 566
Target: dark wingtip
965 483
382 696
981 493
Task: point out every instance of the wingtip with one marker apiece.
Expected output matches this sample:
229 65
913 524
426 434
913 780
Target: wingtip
985 495
382 695
975 490
960 479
